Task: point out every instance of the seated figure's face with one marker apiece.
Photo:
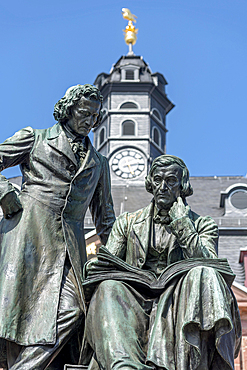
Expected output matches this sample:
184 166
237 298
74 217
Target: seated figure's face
83 116
166 185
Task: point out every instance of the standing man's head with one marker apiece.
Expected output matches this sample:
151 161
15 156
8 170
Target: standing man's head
79 109
167 180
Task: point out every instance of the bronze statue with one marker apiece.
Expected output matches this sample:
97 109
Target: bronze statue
42 250
162 298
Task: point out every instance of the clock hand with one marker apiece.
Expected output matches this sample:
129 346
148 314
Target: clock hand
132 162
127 163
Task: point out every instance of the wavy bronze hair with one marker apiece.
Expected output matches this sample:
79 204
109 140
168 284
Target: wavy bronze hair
168 160
62 109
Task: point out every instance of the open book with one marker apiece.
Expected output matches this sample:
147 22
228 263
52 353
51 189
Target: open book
109 267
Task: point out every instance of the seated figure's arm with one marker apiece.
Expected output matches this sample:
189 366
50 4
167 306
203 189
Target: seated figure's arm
116 244
117 241
197 239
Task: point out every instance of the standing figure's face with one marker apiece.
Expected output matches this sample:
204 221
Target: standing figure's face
166 185
84 115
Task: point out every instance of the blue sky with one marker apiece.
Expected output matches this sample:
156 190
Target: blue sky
199 46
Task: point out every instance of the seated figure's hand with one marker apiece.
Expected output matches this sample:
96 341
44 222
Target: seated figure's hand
178 209
96 264
90 264
10 204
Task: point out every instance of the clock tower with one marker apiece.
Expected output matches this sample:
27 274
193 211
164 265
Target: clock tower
133 128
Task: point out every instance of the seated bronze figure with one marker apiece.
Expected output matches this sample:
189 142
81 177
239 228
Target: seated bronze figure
160 296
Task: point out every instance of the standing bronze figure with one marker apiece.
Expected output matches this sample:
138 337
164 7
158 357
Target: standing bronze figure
42 250
162 298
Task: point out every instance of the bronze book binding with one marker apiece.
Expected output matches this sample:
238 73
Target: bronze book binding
109 267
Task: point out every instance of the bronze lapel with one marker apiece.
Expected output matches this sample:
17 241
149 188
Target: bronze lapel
91 159
58 140
142 227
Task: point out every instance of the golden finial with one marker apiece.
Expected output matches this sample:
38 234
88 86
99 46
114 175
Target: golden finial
128 15
130 31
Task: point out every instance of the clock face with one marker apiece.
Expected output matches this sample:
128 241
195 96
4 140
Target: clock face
128 163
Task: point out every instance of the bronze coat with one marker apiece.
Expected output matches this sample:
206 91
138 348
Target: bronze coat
55 196
131 236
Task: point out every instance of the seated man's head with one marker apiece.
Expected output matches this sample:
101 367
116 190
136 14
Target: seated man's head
167 180
80 108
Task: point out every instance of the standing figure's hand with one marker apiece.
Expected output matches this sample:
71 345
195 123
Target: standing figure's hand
178 209
10 204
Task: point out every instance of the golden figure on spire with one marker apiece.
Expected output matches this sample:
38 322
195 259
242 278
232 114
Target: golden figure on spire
130 30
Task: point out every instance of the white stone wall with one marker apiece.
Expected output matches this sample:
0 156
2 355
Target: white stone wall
141 99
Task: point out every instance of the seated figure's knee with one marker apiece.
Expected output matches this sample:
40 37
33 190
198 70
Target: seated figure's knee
203 271
106 294
109 286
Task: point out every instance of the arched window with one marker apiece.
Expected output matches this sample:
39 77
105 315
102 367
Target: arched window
103 112
156 136
156 113
234 200
129 105
102 136
128 128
